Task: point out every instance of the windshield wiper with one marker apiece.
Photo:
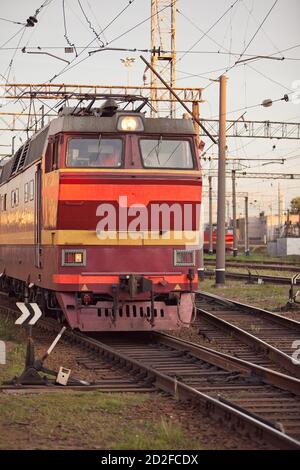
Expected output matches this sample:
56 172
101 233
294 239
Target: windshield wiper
99 145
155 149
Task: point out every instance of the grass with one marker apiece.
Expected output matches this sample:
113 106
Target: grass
268 296
88 421
14 338
9 331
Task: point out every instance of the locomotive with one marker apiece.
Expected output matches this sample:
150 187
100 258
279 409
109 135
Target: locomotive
228 238
100 218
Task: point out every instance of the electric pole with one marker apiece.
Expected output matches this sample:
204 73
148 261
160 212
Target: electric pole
279 208
210 233
247 252
196 115
235 245
220 252
163 57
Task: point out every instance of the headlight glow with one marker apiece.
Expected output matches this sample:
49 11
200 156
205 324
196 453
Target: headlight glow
130 124
73 258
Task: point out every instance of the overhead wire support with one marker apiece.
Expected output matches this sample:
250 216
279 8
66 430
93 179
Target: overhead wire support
51 91
163 36
179 99
262 176
257 129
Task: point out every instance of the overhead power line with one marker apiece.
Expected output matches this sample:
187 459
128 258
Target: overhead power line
11 21
66 36
258 29
97 35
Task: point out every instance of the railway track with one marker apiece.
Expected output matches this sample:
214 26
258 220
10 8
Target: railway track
251 333
258 265
251 400
254 277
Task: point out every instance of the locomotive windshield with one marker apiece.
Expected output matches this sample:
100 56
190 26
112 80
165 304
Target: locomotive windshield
161 153
98 153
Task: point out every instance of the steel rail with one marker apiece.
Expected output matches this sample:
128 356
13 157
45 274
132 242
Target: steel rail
277 379
255 277
229 414
242 320
253 265
274 354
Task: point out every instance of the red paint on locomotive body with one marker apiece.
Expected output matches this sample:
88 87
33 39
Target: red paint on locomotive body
104 276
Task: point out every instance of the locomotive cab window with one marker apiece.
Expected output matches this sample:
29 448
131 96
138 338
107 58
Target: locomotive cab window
95 153
161 153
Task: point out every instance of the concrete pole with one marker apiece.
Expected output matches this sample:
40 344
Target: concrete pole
228 212
279 209
210 229
246 228
234 225
220 252
13 145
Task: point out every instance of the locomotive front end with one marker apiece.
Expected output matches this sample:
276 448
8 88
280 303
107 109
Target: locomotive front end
127 229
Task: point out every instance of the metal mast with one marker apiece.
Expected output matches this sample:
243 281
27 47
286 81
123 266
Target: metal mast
163 56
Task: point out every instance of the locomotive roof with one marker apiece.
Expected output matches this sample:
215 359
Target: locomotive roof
109 124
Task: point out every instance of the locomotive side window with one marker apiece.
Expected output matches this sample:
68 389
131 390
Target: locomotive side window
15 198
52 153
97 153
26 192
3 202
160 153
31 190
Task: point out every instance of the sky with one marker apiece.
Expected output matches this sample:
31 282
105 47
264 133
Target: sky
266 27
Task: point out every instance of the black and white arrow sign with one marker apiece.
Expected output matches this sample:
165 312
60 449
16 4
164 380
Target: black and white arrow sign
30 313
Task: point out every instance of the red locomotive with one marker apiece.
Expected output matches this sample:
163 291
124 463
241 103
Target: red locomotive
228 238
92 209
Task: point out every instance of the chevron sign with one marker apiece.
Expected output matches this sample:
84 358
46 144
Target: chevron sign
30 313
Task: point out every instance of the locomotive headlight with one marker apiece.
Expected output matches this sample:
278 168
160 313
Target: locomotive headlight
184 257
78 258
73 258
130 123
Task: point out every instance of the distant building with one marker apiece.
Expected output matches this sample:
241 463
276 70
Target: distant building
266 228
